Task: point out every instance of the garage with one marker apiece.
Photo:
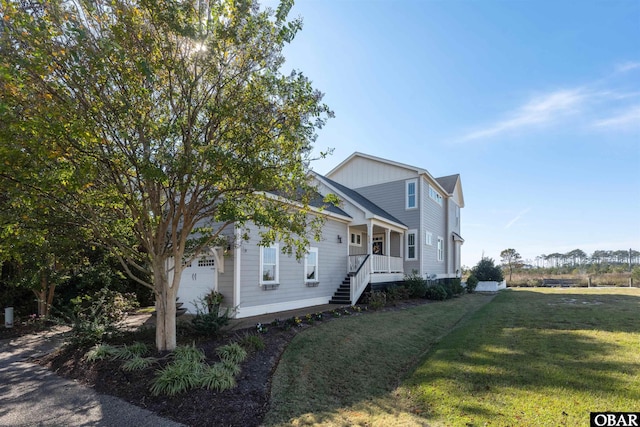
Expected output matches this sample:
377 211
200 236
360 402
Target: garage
198 278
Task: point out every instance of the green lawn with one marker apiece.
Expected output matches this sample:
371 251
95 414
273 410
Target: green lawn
530 357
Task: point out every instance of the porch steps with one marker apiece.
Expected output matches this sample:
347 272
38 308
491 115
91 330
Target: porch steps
343 295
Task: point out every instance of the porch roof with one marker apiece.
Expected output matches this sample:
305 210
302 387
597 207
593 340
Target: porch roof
364 203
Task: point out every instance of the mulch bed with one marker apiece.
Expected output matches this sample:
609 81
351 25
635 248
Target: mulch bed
244 405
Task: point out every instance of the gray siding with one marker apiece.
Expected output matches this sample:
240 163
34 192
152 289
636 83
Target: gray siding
332 268
434 221
390 196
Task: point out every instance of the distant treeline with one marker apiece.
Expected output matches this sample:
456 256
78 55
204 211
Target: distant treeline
579 258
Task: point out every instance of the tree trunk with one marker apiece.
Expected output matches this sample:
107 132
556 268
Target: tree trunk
44 295
165 308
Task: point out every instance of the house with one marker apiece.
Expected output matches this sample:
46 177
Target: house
393 219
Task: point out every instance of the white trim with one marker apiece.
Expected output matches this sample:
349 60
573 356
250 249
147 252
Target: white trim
407 183
428 238
237 267
276 279
355 234
315 279
415 245
440 249
419 171
257 310
435 195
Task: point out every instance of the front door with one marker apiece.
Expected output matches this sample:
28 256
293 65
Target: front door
378 244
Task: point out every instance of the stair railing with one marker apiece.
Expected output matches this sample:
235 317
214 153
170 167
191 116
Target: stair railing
360 279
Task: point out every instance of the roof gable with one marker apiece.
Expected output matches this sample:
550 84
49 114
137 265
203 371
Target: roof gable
359 200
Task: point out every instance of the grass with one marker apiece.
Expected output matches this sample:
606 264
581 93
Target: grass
532 357
333 366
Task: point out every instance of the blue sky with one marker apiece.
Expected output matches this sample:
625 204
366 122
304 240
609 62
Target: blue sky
536 104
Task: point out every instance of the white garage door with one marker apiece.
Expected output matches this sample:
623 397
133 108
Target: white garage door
198 279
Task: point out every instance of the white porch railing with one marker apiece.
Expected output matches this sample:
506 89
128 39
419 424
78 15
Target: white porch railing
385 264
360 279
355 261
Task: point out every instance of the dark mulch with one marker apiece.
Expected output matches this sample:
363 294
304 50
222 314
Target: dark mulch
244 405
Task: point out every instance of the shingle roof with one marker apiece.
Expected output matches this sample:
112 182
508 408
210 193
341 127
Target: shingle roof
361 200
448 182
318 202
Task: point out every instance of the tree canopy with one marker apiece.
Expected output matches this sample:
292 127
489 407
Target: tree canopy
164 121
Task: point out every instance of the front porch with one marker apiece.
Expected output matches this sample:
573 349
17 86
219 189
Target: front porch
375 256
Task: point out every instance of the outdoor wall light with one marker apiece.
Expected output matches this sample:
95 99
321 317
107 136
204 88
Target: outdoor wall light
339 238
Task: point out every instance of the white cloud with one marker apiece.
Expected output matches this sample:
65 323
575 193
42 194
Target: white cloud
629 118
517 218
540 110
608 104
627 66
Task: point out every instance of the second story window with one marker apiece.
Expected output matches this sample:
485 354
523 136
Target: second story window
440 249
412 194
435 196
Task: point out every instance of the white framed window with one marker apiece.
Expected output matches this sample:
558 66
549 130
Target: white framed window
435 196
440 249
428 238
412 245
269 264
411 194
311 265
457 215
356 239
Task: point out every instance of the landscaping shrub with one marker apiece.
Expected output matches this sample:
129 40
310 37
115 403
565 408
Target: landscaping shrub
487 271
376 299
472 283
436 293
209 321
96 317
416 284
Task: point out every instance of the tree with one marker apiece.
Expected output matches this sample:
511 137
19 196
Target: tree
486 270
167 120
511 258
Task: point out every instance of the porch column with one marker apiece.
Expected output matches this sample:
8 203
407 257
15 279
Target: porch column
387 248
370 244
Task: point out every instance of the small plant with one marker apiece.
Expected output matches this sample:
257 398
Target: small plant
252 342
127 352
138 363
356 309
232 352
210 322
213 299
262 329
232 367
472 282
177 377
318 316
188 353
309 319
100 352
217 378
376 299
335 313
